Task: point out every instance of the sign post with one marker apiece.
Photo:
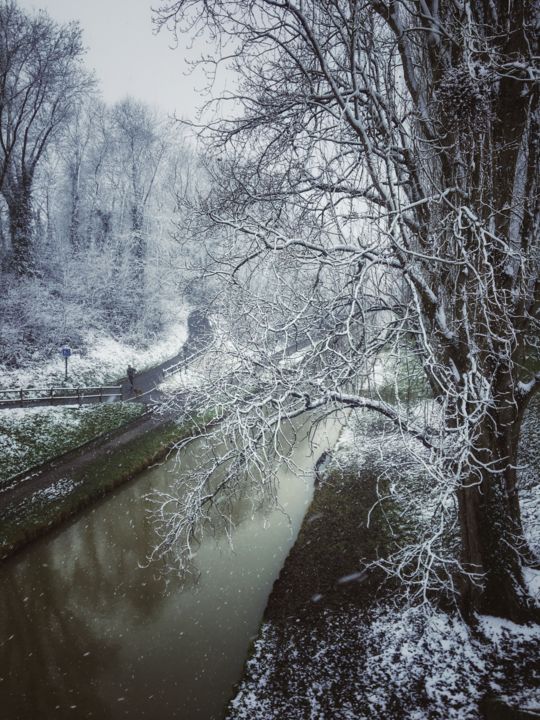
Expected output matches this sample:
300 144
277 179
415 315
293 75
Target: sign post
66 352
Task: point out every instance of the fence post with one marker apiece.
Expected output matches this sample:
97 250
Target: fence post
22 397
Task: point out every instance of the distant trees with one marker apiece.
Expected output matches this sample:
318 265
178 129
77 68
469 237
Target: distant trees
112 205
103 256
87 198
376 191
41 82
141 142
74 150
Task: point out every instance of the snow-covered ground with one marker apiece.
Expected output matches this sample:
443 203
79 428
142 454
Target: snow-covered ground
391 660
529 475
193 376
401 664
103 361
29 436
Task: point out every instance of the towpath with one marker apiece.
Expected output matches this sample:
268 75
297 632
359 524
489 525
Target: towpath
146 383
146 391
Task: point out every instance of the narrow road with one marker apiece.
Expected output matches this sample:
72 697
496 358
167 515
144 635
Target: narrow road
146 383
145 388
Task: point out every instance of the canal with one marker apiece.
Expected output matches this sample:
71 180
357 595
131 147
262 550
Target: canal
88 629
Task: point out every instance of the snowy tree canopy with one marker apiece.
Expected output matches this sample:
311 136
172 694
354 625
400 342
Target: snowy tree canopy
375 195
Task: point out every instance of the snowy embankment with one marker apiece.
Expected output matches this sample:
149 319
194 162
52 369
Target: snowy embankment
394 663
31 436
362 657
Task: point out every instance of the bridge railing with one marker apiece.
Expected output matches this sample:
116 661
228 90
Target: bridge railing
291 348
179 366
62 395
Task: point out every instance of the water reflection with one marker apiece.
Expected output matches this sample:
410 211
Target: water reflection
45 640
89 629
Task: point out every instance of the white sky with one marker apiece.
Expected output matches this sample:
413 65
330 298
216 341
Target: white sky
128 59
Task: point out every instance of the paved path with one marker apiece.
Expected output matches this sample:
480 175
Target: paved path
146 383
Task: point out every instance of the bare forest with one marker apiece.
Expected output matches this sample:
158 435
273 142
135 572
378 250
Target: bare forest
88 199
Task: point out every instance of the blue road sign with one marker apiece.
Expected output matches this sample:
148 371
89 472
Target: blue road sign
66 352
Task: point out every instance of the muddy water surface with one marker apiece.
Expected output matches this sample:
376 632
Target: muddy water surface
89 630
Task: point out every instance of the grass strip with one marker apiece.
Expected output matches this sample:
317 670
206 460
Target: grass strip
31 438
48 507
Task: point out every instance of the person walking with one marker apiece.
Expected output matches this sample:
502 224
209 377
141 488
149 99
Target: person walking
131 376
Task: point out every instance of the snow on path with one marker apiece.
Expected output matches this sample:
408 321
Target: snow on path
104 360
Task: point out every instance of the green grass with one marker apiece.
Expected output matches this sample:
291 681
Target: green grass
31 437
25 520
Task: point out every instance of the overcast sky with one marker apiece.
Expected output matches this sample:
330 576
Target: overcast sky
127 57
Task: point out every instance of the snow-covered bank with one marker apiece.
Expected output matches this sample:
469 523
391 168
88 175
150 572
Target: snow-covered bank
49 498
394 663
333 645
30 436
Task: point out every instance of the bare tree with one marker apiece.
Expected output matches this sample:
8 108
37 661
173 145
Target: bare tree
389 151
140 147
78 145
41 81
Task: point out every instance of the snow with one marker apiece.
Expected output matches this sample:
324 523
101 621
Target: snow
399 662
58 489
369 442
193 376
30 436
104 361
214 362
353 577
366 670
44 424
524 388
532 581
529 475
54 414
392 660
498 629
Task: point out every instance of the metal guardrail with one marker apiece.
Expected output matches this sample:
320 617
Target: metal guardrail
179 366
22 396
297 346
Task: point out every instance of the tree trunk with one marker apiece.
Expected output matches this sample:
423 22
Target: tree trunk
75 210
139 246
19 202
493 544
101 231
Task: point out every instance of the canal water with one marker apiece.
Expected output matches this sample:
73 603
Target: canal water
89 630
